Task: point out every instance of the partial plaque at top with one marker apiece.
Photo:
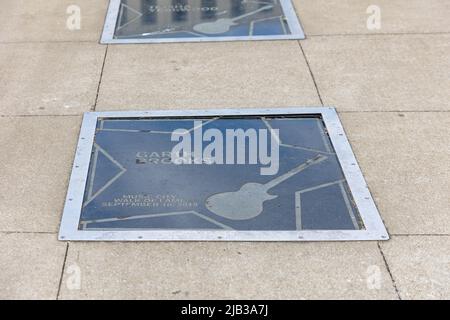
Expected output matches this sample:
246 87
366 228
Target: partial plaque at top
145 21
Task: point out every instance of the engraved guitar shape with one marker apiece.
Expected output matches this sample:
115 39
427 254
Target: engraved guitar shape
223 25
247 202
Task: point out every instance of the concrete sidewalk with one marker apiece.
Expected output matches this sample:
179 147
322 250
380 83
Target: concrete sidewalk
390 87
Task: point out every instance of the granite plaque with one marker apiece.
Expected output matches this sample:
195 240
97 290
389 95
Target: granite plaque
144 21
238 176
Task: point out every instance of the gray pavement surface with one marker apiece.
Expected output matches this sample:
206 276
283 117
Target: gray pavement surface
390 87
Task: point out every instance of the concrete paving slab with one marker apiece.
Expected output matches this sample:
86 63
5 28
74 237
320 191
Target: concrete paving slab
31 265
206 75
49 78
46 69
420 266
35 163
405 157
195 270
51 20
330 17
382 73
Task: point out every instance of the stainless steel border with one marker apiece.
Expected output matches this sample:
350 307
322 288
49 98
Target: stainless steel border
374 227
113 12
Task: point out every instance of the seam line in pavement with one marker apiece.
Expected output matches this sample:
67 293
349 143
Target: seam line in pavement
420 235
389 271
378 34
28 232
100 79
310 72
340 111
62 272
393 111
38 115
49 41
307 36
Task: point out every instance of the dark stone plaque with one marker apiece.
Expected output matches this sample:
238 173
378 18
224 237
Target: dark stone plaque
197 20
133 182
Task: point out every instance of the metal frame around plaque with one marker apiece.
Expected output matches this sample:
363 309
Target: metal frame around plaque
109 28
374 228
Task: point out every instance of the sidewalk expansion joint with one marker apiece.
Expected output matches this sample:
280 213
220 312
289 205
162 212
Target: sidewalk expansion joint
378 34
100 79
62 272
311 73
49 42
420 234
389 271
27 232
